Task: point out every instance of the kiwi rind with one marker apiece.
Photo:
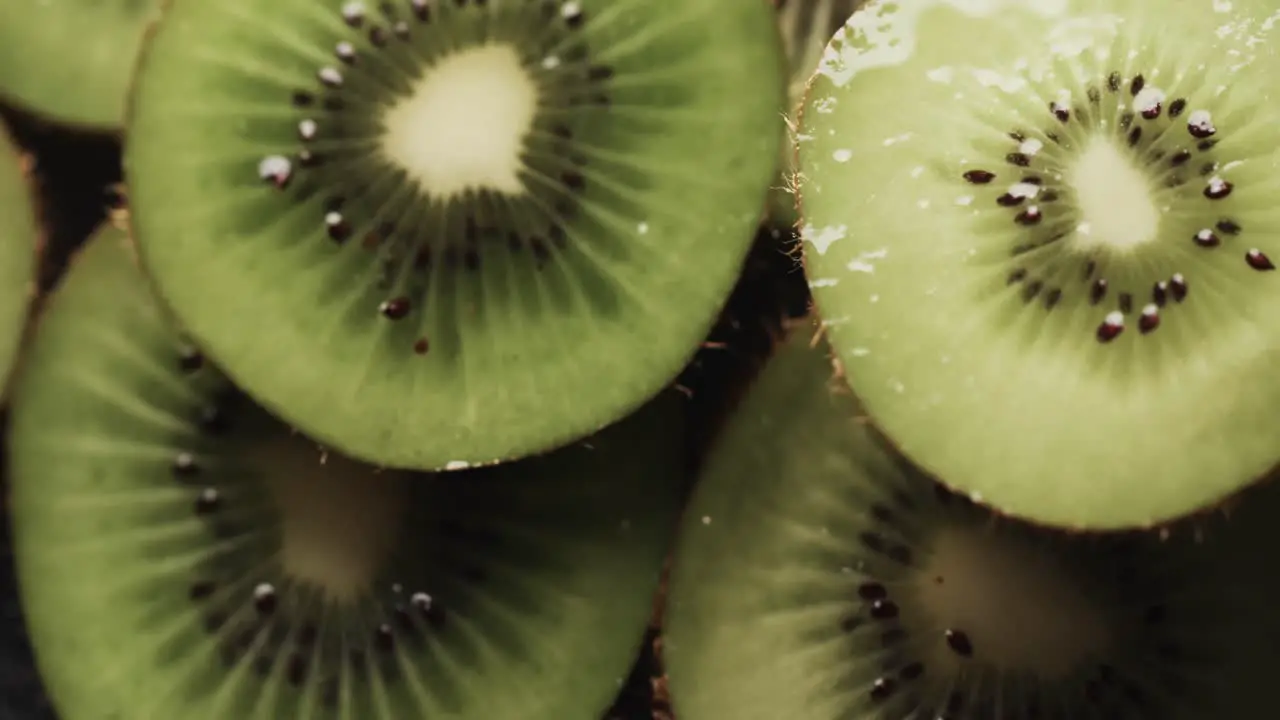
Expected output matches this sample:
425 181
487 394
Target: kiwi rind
19 238
806 530
1005 389
294 319
806 27
546 572
70 62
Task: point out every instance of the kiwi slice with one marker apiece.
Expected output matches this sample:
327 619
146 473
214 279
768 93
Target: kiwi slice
19 237
70 61
1044 261
818 576
182 554
442 218
806 27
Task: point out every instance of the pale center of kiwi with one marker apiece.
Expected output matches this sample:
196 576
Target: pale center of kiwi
1114 199
339 519
465 124
1016 605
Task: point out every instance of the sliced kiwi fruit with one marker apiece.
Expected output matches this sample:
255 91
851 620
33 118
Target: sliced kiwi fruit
806 27
415 229
19 239
69 61
183 554
1046 261
819 576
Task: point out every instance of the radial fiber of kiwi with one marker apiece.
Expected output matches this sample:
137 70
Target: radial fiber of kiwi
820 577
19 238
806 27
416 229
182 554
1045 259
70 61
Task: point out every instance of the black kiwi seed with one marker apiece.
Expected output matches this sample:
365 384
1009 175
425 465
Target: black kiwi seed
1229 227
1111 327
1258 261
958 641
1207 238
396 308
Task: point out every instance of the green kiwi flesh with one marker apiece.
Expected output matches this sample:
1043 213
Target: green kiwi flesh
70 61
818 576
806 27
1045 261
19 239
415 230
182 554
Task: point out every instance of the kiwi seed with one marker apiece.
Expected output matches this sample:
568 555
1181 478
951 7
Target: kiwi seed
819 576
19 238
70 61
183 554
1069 273
444 218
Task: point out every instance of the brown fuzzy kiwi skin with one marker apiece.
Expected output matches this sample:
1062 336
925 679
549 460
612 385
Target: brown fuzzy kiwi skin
37 203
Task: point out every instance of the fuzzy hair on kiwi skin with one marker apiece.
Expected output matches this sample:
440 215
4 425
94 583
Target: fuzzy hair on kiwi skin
30 196
721 628
437 345
804 50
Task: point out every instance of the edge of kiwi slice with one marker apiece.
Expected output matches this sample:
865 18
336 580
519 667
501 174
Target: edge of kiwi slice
806 27
19 252
70 62
818 576
1056 298
181 553
310 198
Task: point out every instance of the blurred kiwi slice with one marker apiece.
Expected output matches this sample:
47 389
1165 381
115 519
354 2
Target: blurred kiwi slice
1046 262
181 554
806 27
19 240
70 61
818 576
415 230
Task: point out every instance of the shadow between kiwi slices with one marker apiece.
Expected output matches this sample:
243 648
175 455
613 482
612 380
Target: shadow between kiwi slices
183 554
1045 260
19 240
819 576
435 235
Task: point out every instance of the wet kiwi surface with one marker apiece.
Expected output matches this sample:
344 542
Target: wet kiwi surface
440 234
1047 261
181 554
820 577
18 247
69 61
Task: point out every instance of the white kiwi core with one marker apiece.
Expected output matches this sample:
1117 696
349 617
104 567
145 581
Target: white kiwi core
1018 607
1115 200
465 124
339 519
